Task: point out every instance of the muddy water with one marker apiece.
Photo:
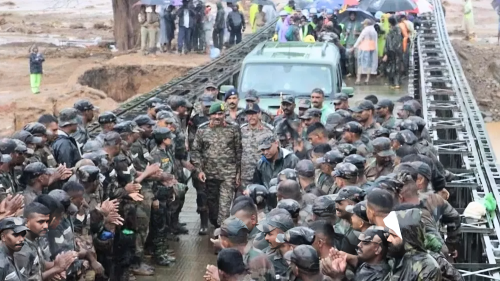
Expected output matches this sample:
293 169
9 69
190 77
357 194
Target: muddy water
493 130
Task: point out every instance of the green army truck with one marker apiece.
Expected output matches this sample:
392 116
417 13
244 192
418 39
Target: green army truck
293 68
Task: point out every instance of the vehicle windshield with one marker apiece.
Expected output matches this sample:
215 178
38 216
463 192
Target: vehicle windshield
286 78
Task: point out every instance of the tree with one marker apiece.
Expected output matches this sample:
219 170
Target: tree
126 24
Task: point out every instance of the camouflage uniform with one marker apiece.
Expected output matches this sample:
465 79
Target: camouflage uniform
416 263
44 155
31 256
217 152
11 269
323 208
251 153
363 146
389 123
373 272
394 52
305 258
382 148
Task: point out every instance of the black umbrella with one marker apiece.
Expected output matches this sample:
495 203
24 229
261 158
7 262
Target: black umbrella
361 15
387 6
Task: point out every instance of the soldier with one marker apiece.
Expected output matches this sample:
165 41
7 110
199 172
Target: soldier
304 263
50 122
305 171
181 108
12 233
303 105
233 233
341 101
275 160
35 177
288 108
7 183
353 132
151 104
410 108
251 131
42 152
401 138
422 133
259 194
140 149
349 195
360 163
364 113
65 148
230 265
231 99
289 189
323 208
210 90
277 221
359 218
386 119
85 116
383 163
311 116
253 99
107 121
199 118
346 174
292 207
393 54
326 165
216 154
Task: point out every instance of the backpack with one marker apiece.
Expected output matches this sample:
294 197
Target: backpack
289 35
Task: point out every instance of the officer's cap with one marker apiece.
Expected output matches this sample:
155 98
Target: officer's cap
17 224
36 128
353 127
362 106
290 205
127 127
229 93
359 210
27 137
345 171
216 107
352 193
304 257
144 119
305 168
332 157
68 116
382 147
83 105
276 218
297 236
88 173
324 205
107 117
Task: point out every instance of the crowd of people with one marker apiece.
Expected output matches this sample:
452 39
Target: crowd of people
334 192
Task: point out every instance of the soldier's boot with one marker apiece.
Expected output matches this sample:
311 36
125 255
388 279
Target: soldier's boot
178 228
203 223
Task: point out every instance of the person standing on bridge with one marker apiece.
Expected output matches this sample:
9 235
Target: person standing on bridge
216 154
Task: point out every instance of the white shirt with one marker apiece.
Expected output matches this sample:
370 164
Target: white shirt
186 18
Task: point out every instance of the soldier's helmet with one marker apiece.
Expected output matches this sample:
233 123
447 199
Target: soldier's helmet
287 174
258 193
290 205
324 206
299 235
161 133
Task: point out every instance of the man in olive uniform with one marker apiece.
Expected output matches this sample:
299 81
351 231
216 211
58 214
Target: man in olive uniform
327 164
200 118
233 111
364 113
288 108
386 119
384 162
7 183
346 174
349 195
353 132
12 234
210 90
140 149
216 154
253 99
151 104
42 153
249 133
35 177
85 116
107 121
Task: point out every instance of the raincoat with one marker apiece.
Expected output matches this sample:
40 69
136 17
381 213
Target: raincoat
394 52
254 9
283 29
416 263
270 12
367 56
468 18
384 26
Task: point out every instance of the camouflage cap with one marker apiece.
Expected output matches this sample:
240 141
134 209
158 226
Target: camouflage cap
276 218
324 205
412 106
353 127
176 101
144 119
423 169
265 141
167 116
362 106
210 85
290 205
304 257
288 99
273 182
384 103
409 217
305 168
332 157
251 95
231 227
7 146
287 174
382 147
127 127
88 174
34 170
345 171
359 210
419 121
92 146
36 128
27 137
334 119
22 148
339 97
83 105
153 102
347 149
217 107
112 138
162 107
375 234
304 104
406 137
258 193
207 99
252 109
107 117
343 112
17 224
68 116
162 133
297 236
408 124
382 132
352 193
311 113
357 160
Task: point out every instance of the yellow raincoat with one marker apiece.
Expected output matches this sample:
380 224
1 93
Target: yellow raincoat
254 9
468 18
384 26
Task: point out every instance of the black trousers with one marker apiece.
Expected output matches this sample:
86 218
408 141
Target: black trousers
235 35
218 38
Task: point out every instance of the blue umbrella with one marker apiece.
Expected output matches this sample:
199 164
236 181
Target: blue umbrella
326 4
361 15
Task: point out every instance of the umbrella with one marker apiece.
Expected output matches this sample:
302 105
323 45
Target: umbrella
263 2
230 1
361 15
326 4
387 6
422 7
